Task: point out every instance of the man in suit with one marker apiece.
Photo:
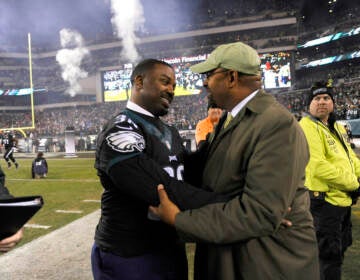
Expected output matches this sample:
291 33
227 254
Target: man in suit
259 153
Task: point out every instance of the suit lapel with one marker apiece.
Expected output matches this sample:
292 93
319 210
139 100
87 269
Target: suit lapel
221 132
252 106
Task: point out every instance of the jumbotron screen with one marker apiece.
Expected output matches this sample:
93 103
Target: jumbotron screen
116 83
276 70
117 86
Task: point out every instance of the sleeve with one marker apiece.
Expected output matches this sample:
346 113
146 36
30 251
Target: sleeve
356 161
352 154
341 178
194 163
142 177
275 171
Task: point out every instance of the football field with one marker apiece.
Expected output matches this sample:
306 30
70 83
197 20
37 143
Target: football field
72 190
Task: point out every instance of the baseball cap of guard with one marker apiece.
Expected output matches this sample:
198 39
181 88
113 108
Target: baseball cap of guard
234 56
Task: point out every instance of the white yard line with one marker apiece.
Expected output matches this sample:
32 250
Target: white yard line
55 180
69 211
36 226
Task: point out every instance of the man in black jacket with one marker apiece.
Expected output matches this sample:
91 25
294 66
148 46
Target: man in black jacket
39 167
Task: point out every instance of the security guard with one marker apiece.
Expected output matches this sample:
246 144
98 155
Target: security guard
332 178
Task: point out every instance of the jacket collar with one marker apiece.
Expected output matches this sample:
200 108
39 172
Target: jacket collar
243 103
257 107
251 105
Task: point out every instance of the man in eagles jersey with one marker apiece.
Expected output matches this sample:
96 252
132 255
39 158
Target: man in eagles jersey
9 143
136 150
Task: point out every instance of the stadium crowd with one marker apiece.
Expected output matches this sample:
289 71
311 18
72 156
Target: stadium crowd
185 112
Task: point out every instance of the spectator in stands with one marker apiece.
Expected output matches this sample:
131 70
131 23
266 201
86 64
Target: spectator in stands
206 126
39 167
134 150
8 243
258 154
332 178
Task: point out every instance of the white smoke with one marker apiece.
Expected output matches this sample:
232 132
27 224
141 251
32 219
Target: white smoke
127 17
70 58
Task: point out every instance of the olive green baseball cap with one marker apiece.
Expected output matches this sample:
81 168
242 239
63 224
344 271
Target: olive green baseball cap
234 56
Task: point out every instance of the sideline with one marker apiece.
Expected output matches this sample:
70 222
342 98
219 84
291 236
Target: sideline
62 254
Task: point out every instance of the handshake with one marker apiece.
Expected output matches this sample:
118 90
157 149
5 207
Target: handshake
355 195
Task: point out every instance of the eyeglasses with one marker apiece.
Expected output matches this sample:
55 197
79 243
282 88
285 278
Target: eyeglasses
211 73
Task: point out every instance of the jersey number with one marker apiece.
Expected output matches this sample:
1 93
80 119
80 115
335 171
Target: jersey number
179 170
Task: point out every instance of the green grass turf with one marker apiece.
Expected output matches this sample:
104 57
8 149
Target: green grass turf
70 181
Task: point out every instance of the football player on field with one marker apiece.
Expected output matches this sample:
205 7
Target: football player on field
9 142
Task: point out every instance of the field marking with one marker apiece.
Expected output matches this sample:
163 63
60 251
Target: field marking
36 226
91 200
74 166
55 180
69 211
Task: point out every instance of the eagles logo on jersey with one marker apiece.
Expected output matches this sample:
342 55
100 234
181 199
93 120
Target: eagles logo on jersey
126 141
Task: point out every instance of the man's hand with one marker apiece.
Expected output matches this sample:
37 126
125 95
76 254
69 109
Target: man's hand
166 210
8 243
285 222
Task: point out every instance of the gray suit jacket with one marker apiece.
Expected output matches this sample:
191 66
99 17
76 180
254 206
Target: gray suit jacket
260 158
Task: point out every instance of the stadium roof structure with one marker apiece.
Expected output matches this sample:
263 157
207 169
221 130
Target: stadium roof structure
44 19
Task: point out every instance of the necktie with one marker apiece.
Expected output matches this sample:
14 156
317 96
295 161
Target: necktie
229 117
